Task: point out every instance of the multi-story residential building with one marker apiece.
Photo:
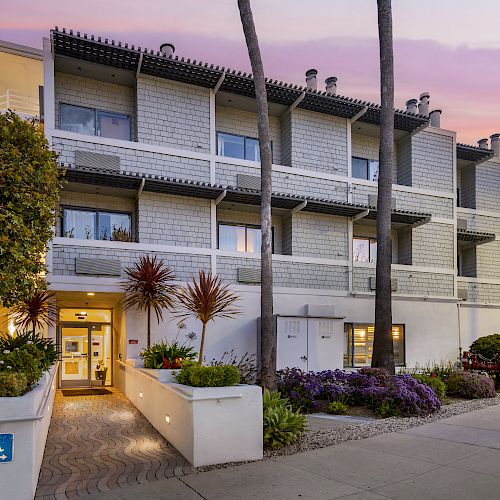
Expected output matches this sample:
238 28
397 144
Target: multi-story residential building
162 159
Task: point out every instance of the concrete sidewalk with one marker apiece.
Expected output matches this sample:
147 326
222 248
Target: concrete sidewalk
456 458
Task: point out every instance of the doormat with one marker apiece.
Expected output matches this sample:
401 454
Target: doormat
85 392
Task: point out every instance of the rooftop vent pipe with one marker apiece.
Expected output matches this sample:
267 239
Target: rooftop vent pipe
423 107
311 79
495 144
435 116
411 106
483 143
331 84
167 49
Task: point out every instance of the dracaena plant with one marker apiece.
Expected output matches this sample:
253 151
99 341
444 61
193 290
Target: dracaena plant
148 287
37 312
206 299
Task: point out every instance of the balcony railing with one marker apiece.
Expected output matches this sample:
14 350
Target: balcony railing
19 102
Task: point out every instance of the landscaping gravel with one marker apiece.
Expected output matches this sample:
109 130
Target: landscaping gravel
331 437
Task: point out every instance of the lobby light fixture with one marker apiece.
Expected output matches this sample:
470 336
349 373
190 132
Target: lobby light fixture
167 419
90 294
140 394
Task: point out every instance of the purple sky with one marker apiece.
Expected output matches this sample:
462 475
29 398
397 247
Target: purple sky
450 48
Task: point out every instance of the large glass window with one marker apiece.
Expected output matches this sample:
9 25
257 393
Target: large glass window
94 122
365 169
240 237
238 146
358 344
95 224
364 249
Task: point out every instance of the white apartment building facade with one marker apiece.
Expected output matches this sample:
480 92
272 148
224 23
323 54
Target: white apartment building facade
162 159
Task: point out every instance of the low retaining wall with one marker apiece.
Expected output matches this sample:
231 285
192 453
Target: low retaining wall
28 418
207 425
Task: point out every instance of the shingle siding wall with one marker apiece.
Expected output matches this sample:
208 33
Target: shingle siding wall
286 138
432 161
239 217
488 186
89 200
287 235
432 245
403 156
409 282
317 235
468 187
80 91
132 160
488 293
469 262
237 121
182 264
173 114
174 220
289 274
319 142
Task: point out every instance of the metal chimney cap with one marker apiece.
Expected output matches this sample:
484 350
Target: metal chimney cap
436 111
311 72
411 102
167 45
494 136
331 79
423 95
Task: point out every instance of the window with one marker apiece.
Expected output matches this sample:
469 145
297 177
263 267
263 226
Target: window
358 346
238 146
240 237
364 249
365 169
87 224
94 122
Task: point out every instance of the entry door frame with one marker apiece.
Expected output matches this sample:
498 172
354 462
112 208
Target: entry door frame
78 382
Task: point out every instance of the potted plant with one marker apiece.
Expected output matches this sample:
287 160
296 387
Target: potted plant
100 372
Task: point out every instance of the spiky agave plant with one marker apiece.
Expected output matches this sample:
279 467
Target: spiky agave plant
206 298
149 286
36 312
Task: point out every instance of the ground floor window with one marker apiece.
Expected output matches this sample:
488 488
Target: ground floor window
358 346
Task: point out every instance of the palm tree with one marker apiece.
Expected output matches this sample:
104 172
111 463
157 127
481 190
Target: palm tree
148 287
383 355
268 337
206 299
36 312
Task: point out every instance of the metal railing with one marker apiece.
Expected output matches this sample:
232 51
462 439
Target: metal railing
21 103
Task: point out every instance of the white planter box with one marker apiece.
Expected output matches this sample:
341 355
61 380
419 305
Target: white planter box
208 425
159 374
28 418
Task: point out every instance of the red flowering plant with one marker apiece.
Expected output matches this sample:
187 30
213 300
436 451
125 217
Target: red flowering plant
168 355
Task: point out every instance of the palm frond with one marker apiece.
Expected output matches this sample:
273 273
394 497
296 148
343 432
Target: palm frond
149 285
38 311
206 298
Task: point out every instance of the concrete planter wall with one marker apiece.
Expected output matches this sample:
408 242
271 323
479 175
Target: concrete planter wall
28 418
160 374
208 425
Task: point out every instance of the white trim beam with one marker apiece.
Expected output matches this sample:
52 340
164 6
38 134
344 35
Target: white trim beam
358 115
297 102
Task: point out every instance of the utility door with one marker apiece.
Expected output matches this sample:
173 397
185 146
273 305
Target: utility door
325 344
292 342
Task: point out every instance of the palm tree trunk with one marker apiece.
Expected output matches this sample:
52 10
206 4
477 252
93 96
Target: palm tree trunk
202 344
383 355
149 327
268 338
34 326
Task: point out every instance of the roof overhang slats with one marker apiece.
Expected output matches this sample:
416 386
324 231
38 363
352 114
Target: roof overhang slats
174 68
180 187
473 153
474 237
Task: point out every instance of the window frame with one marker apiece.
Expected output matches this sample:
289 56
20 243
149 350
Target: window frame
350 354
96 111
244 137
367 160
96 211
246 226
370 241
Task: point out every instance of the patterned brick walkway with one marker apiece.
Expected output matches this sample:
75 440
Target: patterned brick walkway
98 443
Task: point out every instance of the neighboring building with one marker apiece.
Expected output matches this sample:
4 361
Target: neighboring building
21 78
162 159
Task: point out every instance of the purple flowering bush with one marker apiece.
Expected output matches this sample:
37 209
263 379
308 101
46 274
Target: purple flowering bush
374 388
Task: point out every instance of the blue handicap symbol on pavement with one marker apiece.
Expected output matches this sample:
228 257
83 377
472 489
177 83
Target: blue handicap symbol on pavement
6 448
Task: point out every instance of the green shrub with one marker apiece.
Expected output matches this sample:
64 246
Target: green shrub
282 425
26 359
386 409
245 365
338 408
196 375
13 384
488 346
435 383
167 355
470 385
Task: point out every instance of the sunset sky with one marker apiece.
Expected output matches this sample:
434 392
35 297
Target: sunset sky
450 48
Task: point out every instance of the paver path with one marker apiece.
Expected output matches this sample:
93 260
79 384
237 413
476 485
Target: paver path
99 443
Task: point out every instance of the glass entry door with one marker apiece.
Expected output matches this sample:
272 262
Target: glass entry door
85 354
